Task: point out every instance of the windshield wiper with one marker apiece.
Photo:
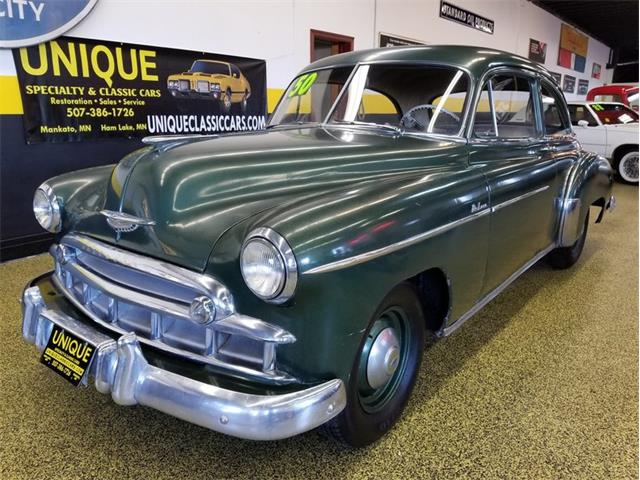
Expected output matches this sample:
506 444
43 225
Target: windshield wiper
398 130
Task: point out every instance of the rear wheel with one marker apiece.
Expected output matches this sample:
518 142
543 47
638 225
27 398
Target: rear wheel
226 101
384 370
628 166
565 257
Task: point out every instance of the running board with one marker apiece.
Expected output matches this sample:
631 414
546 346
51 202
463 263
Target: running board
446 331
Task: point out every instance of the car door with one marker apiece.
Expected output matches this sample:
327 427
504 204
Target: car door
593 136
508 144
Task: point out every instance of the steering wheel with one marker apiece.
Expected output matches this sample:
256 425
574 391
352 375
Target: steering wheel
409 121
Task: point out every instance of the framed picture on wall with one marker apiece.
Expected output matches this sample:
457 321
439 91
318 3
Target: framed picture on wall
557 77
537 50
595 70
583 86
569 84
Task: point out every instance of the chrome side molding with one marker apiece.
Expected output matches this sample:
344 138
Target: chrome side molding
446 331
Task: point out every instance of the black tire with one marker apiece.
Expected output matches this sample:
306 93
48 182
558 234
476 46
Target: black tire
225 101
361 424
244 102
565 257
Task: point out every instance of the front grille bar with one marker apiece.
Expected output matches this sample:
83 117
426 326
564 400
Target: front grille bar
235 344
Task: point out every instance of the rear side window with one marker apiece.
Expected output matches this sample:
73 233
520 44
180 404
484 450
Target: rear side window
505 109
554 118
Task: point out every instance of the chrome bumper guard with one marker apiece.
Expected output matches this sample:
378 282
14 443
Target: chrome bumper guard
119 367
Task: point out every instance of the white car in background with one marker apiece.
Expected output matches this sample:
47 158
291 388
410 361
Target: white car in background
610 129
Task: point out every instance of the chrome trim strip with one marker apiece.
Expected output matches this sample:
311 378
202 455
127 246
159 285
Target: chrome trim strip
494 293
394 247
274 376
202 283
119 368
513 200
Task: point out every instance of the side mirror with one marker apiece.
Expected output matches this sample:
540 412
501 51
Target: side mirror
583 123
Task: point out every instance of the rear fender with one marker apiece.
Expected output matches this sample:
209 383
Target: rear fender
589 181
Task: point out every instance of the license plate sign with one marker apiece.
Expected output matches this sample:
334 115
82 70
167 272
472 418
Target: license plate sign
67 355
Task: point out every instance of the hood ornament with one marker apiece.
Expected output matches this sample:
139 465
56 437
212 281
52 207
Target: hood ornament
125 223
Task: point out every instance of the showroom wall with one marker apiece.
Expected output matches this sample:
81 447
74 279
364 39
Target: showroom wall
278 30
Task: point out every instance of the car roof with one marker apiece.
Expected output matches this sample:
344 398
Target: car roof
476 60
213 61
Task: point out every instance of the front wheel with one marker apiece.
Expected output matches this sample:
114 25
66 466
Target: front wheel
384 371
628 167
226 101
564 257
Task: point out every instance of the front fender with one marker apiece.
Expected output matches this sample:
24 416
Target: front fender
590 180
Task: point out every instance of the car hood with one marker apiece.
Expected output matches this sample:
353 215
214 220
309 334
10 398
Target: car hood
197 189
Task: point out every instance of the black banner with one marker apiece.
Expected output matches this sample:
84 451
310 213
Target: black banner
465 17
395 41
75 89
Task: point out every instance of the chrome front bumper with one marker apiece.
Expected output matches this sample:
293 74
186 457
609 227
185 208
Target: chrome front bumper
120 368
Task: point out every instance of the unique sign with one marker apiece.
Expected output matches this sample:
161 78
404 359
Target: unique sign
569 84
67 355
24 23
465 17
596 70
75 90
537 50
386 40
573 48
583 86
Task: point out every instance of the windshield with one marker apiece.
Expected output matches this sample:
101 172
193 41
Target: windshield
413 98
202 66
614 114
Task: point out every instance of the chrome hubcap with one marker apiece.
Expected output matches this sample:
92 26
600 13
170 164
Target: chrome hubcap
629 168
383 358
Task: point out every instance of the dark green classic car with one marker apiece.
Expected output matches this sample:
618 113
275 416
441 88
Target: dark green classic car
268 283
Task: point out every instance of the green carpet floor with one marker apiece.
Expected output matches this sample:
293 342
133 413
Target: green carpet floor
542 383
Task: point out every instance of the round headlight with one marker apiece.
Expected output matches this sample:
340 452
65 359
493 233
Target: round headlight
46 208
268 266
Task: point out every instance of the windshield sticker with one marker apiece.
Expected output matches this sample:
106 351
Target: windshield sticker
625 118
597 107
303 84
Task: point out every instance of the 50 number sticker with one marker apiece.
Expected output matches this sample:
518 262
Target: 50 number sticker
303 84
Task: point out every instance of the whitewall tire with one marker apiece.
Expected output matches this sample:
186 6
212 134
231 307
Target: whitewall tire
628 167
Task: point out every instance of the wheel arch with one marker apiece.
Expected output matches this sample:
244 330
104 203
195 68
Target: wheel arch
433 287
621 150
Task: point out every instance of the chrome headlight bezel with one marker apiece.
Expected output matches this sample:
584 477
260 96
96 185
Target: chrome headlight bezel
51 220
274 240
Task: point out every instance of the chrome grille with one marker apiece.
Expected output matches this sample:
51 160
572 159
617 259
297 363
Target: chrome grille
203 86
184 85
126 292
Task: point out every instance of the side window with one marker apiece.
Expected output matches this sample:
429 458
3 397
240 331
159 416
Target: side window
608 98
505 109
553 115
580 112
235 71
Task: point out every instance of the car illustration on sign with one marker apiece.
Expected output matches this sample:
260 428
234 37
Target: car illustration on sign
221 81
611 130
267 283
